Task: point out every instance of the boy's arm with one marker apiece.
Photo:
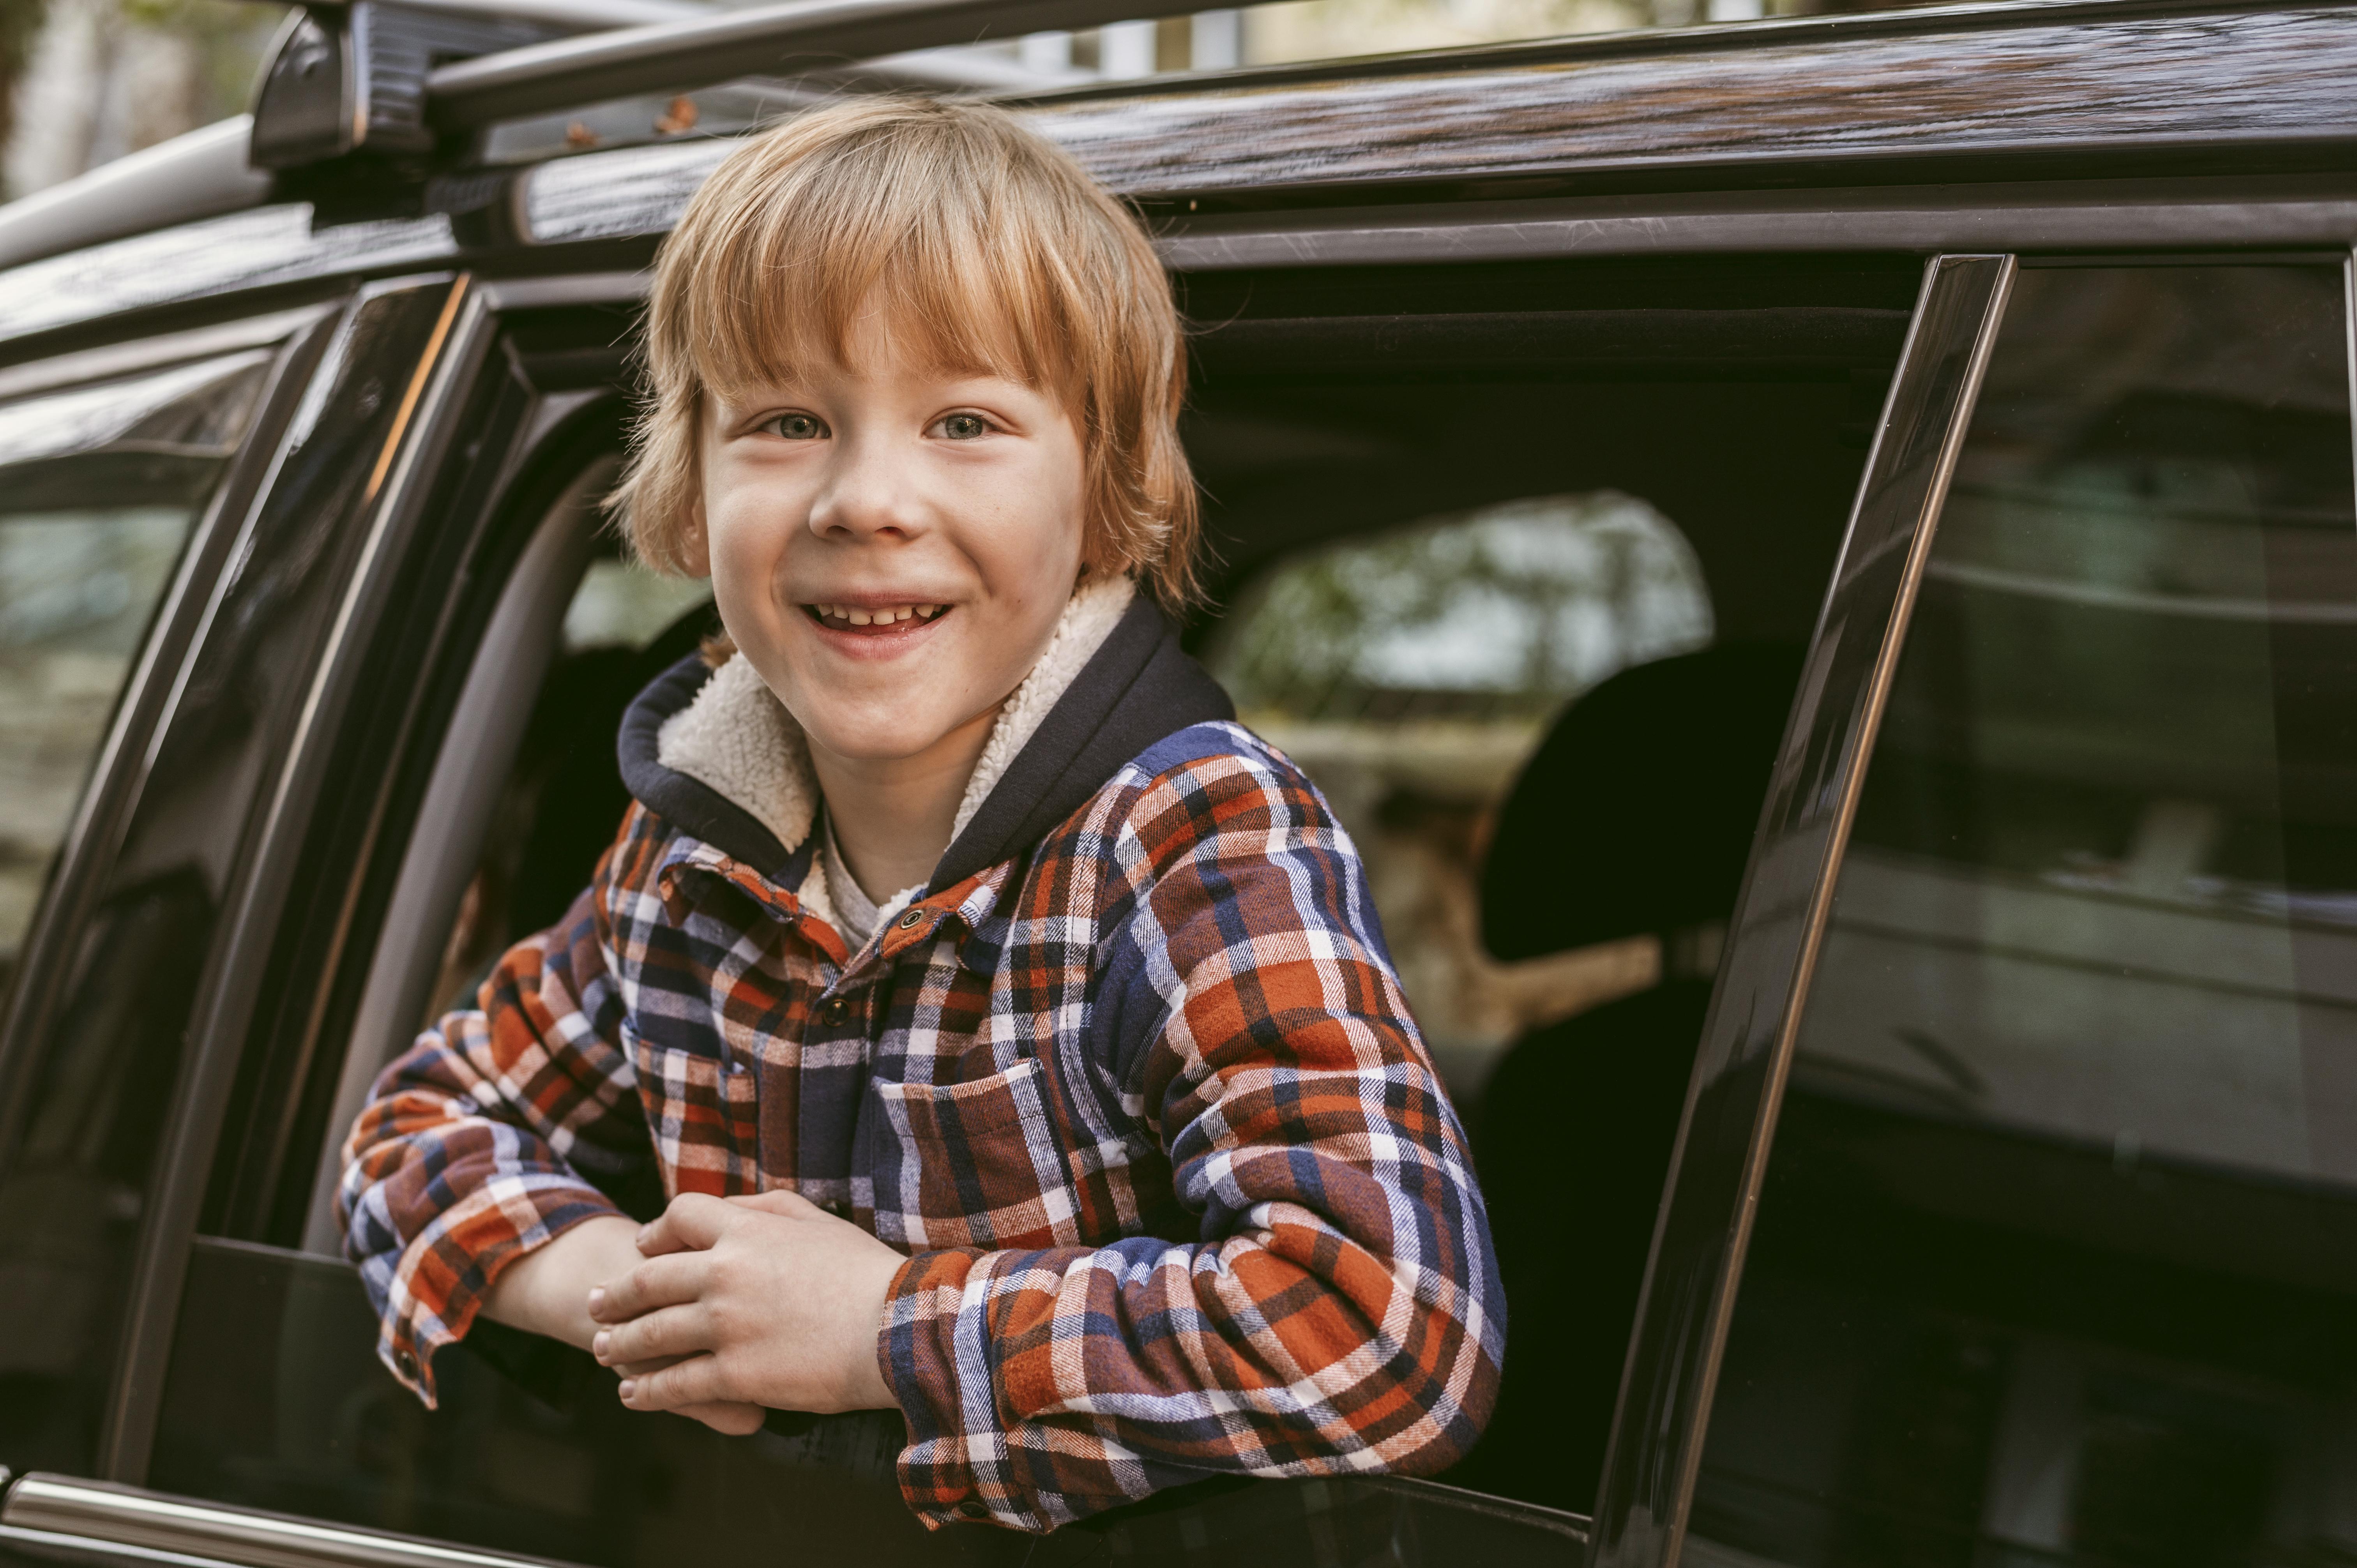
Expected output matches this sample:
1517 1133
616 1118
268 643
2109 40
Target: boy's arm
1341 1311
475 1146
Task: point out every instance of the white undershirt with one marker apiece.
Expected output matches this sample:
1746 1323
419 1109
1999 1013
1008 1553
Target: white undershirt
855 911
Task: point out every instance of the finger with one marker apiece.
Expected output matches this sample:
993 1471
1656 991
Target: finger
729 1419
656 1283
668 1333
792 1205
695 1381
694 1221
728 1416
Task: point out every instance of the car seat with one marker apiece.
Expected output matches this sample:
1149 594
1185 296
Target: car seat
577 796
1635 816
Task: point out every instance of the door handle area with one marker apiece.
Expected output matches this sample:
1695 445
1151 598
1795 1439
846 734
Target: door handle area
64 1518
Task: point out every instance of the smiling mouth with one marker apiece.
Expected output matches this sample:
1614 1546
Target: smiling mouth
862 621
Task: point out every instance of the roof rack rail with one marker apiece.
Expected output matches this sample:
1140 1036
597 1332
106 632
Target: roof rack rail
794 38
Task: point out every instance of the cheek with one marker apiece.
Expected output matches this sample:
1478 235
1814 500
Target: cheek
748 530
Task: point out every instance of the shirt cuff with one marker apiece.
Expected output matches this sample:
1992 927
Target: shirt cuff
444 1274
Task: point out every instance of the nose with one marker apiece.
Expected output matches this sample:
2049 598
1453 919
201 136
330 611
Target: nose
868 492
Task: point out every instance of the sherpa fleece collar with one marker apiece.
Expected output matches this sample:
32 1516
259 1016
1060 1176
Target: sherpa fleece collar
716 755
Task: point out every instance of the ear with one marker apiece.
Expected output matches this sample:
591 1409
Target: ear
696 541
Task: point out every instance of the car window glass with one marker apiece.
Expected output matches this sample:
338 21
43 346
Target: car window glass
2052 1264
100 489
1411 675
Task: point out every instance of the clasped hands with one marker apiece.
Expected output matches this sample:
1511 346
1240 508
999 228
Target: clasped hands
718 1309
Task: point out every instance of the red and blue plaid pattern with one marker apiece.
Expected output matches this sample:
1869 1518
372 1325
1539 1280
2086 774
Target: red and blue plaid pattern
1181 1191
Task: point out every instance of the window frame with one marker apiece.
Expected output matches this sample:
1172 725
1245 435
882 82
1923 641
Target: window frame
1705 1223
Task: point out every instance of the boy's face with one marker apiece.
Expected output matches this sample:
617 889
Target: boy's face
891 544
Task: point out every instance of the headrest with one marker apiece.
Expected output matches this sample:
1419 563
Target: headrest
1636 813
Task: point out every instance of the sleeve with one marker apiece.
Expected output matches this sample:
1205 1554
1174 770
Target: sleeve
479 1144
1340 1311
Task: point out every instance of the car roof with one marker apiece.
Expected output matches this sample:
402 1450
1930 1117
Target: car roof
2023 126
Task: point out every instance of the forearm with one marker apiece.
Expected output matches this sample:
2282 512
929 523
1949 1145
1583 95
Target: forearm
547 1289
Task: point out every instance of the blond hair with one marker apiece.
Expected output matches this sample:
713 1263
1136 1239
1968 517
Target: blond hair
982 244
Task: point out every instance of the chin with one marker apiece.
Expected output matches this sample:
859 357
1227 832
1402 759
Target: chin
861 739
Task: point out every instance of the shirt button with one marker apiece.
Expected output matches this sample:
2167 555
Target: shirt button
834 1011
405 1364
909 922
973 1509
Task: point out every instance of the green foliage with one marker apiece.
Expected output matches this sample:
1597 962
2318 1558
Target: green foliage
1504 610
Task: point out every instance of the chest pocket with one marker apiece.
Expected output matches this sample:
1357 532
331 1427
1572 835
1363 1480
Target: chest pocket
973 1164
705 1119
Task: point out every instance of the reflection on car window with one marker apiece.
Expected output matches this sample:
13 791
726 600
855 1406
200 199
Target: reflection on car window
1412 674
99 486
2053 1264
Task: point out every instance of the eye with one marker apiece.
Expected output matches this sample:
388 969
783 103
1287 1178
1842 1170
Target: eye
796 427
962 426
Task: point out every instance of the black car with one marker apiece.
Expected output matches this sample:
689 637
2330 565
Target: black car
1817 560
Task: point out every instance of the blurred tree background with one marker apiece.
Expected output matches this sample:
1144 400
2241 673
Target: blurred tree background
84 81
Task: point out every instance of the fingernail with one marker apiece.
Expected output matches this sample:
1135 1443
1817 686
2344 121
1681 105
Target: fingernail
629 1387
598 1346
596 1299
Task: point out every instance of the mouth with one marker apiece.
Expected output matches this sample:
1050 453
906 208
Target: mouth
877 620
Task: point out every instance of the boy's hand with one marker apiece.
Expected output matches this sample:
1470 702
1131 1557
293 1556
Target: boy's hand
547 1292
764 1300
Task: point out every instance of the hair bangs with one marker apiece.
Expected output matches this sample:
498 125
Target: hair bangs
926 280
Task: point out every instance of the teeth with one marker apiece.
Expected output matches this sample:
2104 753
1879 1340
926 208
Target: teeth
855 615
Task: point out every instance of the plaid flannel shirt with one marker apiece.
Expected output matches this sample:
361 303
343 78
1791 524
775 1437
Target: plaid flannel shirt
1142 1101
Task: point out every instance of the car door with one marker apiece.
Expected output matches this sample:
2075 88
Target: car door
441 788
2029 1199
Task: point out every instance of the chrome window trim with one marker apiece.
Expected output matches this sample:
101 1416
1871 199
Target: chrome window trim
102 1519
1705 1223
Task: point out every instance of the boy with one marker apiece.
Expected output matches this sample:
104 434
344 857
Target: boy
1011 1030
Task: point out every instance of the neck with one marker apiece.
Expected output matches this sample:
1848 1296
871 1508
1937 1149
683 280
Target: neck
892 816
